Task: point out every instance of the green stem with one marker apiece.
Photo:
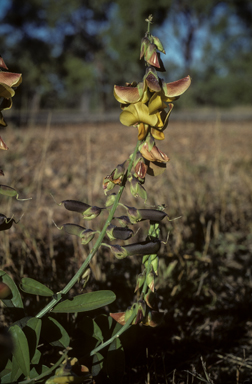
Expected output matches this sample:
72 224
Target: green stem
81 270
44 374
123 329
154 231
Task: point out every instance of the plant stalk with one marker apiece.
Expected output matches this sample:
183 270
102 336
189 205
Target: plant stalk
83 267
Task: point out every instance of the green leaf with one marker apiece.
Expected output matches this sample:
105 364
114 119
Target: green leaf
21 349
97 364
36 357
32 331
36 371
16 371
115 364
15 300
89 326
86 302
35 324
34 287
54 333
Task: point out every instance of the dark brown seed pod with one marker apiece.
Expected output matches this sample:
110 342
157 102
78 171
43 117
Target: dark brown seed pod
76 206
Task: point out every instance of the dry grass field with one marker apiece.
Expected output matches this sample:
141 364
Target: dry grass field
205 279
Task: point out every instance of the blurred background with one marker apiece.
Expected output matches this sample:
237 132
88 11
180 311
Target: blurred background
72 52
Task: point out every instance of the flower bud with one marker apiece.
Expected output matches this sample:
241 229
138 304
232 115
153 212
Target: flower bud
150 281
110 200
154 155
123 220
137 189
153 318
3 145
114 232
107 185
149 298
158 44
151 56
4 291
140 280
144 45
152 80
155 265
141 311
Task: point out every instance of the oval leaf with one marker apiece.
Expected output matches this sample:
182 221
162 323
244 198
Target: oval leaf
15 300
34 287
86 302
97 364
21 349
54 333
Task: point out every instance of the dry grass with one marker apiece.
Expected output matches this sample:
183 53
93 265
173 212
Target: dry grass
207 182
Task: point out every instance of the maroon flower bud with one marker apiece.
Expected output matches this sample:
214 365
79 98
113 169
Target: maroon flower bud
151 56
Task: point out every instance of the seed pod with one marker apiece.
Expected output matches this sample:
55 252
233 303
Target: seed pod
6 223
76 206
86 235
7 191
114 232
143 248
152 214
88 212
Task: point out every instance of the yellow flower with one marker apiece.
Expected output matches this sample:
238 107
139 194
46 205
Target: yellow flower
144 118
7 81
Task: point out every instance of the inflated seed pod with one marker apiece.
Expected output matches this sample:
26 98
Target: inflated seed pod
7 191
152 214
3 218
88 212
86 235
6 223
76 206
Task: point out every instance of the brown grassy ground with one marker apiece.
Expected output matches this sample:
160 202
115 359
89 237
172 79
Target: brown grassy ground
205 281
